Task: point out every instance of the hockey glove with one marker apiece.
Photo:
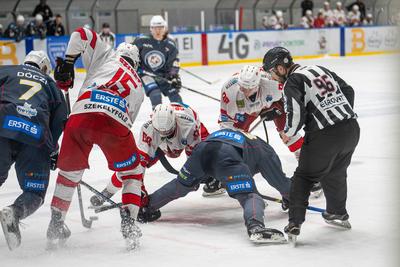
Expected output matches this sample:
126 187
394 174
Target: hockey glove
270 114
53 160
175 81
64 73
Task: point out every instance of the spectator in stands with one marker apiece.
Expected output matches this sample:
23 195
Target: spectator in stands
354 16
1 30
264 22
16 30
56 28
307 21
361 8
319 22
368 20
37 28
395 19
107 36
276 21
339 15
306 5
43 9
328 15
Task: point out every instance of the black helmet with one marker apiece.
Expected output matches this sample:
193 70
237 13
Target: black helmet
277 56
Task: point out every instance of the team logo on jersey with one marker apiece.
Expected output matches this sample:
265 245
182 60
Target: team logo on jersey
27 110
239 186
268 98
240 103
223 118
35 185
106 98
228 135
184 141
240 117
154 59
125 163
13 123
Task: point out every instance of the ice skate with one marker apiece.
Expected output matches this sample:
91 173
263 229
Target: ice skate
213 188
10 225
261 235
130 231
98 201
316 190
337 220
292 230
57 232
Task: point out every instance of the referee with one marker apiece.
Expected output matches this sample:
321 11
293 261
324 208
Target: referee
321 101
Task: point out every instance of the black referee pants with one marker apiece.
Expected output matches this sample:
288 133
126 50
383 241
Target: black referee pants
325 156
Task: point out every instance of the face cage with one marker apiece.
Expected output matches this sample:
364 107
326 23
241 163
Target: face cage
166 134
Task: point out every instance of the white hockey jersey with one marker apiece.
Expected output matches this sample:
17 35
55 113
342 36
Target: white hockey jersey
188 133
237 111
111 85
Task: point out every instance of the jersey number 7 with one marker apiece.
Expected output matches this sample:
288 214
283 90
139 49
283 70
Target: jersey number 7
34 88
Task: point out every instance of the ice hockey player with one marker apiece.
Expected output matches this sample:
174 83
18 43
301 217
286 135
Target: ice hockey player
249 94
108 104
32 116
159 63
321 101
173 128
232 157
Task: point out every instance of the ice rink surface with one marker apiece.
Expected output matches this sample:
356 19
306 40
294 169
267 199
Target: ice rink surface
195 231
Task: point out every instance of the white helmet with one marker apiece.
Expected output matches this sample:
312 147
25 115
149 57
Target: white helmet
39 17
40 59
279 13
130 51
158 21
249 77
163 119
20 19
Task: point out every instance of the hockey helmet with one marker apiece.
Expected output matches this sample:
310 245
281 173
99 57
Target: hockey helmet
249 77
277 56
163 119
158 21
40 59
130 52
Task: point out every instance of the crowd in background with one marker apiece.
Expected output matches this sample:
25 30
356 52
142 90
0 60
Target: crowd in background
353 15
43 24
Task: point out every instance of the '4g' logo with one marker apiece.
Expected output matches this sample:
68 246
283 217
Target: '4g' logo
236 46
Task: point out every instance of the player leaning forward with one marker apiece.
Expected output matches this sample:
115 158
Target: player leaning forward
108 104
172 128
252 93
32 117
323 102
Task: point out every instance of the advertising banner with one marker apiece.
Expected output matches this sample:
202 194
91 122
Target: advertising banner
11 53
372 40
56 47
252 45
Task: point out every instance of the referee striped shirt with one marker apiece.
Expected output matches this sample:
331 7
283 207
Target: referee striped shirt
316 98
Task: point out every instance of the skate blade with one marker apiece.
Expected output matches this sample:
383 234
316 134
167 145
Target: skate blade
11 238
217 193
342 224
292 240
274 239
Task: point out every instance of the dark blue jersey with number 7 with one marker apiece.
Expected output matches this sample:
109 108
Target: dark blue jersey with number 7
32 109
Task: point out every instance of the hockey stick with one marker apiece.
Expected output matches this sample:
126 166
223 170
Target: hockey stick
161 156
184 87
266 131
278 200
200 78
85 222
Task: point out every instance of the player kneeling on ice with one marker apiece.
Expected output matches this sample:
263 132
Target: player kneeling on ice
32 116
172 128
252 93
107 106
321 101
233 158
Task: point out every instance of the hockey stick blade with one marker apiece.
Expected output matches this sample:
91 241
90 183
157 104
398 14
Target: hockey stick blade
85 222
